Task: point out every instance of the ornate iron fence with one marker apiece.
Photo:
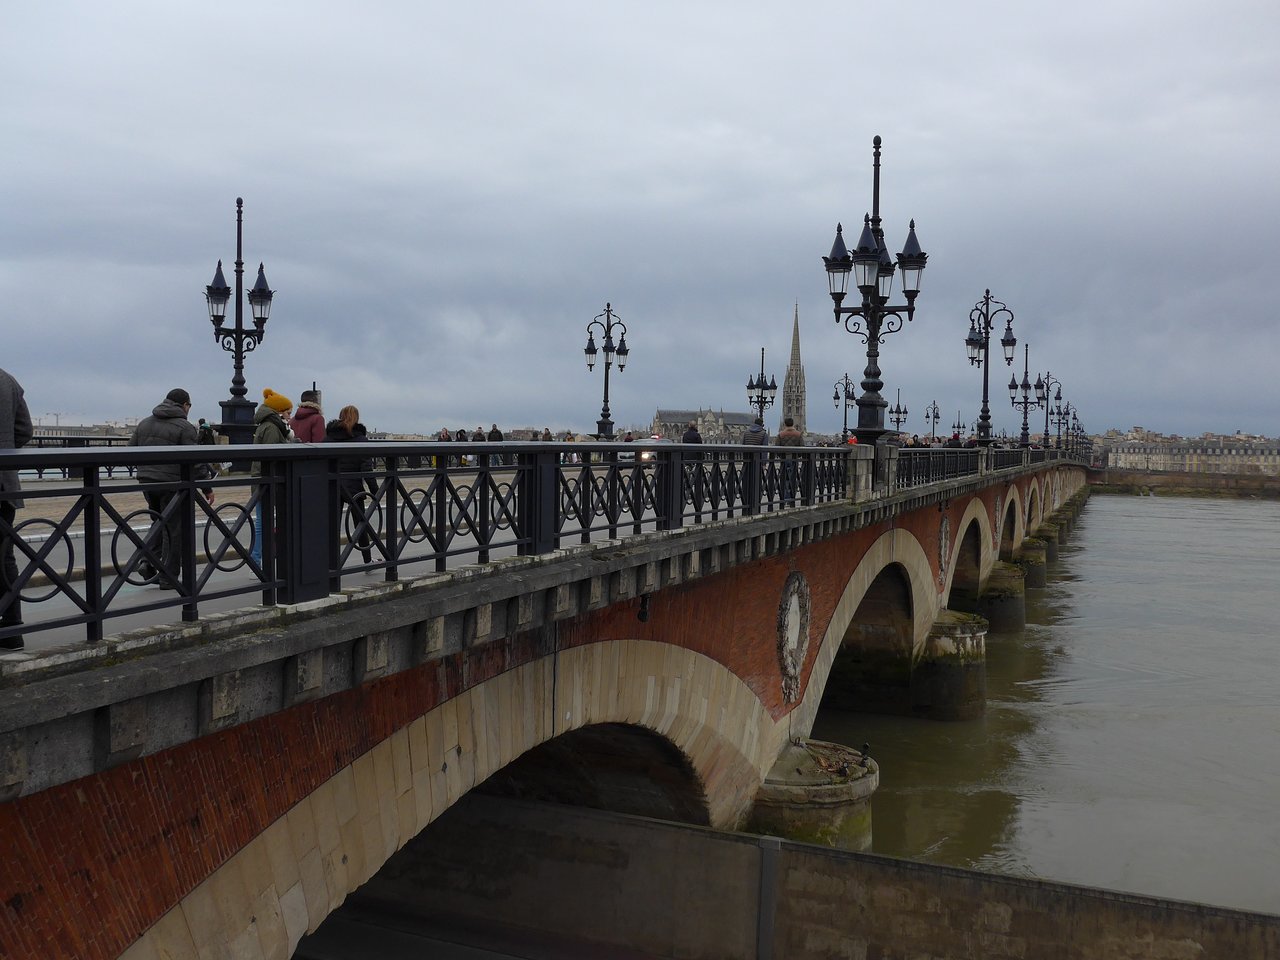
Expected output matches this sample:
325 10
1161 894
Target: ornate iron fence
90 550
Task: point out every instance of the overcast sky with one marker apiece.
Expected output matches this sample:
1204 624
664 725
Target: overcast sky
444 194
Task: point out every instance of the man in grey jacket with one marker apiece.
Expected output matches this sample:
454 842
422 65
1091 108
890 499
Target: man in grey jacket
168 426
15 431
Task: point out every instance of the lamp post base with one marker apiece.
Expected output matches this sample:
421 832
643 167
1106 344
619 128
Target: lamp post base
604 429
237 420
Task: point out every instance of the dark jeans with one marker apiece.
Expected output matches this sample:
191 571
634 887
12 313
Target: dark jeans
11 614
173 547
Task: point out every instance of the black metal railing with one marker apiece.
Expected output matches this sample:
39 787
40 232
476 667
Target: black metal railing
90 550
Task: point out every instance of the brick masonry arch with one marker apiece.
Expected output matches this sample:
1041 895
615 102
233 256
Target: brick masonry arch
285 881
895 546
975 513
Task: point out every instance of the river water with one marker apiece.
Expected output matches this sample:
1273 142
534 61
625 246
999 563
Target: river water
1132 733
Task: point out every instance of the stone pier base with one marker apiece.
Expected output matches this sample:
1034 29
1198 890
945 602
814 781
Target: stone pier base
818 792
1003 600
949 681
1031 558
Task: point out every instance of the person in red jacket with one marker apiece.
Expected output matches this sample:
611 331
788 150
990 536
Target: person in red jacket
307 423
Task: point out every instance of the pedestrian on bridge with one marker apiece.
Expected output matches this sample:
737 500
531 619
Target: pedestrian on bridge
15 431
168 426
756 435
307 422
355 487
270 426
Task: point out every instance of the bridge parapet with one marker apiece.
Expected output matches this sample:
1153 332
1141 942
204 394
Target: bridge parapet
86 550
82 708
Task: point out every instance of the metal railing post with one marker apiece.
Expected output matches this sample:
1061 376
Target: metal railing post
669 480
303 535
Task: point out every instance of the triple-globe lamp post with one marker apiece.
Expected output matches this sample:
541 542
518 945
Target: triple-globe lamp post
1021 396
760 393
1042 391
844 390
872 320
898 413
237 412
978 346
931 416
612 354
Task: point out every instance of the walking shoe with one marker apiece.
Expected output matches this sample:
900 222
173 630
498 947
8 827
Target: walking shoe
11 643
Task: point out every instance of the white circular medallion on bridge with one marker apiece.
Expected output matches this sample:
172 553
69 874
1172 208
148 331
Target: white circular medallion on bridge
793 633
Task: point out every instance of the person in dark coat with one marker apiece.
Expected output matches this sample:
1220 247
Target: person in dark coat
15 432
355 487
691 434
495 436
756 435
168 426
307 422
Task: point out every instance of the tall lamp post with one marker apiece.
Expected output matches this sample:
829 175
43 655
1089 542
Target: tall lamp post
898 413
874 318
612 354
760 393
1061 417
1042 392
931 416
959 426
844 386
1021 395
978 346
237 412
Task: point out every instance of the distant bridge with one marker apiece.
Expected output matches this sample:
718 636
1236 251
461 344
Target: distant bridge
642 635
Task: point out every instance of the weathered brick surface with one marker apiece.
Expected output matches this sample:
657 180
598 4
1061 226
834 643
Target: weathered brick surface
88 866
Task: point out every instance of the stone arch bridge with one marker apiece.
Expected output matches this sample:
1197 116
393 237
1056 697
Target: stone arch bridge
221 792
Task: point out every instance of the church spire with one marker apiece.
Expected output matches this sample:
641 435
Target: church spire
793 393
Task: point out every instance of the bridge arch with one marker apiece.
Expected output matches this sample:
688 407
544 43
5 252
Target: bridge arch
971 558
694 717
1033 504
1011 529
892 589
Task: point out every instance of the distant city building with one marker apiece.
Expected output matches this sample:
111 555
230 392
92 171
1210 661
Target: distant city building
715 426
793 395
1236 454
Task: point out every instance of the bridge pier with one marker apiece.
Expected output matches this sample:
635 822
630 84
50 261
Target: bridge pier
1049 532
1031 558
949 681
818 792
1003 600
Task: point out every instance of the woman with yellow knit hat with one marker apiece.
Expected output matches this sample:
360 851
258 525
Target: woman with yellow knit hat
270 426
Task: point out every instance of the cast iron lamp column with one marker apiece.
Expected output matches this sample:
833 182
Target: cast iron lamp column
759 393
959 426
845 385
1042 394
604 426
1061 417
237 412
1026 401
978 346
874 319
898 413
931 416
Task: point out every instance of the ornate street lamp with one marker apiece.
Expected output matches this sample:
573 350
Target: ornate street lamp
1021 395
959 426
898 413
760 393
237 412
612 355
845 386
1042 394
931 416
873 319
978 346
1061 417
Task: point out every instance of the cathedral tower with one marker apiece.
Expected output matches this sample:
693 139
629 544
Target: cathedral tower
793 401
